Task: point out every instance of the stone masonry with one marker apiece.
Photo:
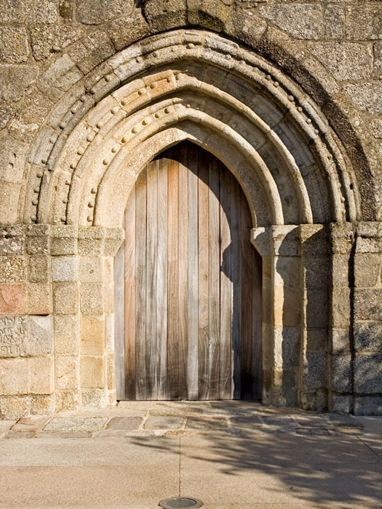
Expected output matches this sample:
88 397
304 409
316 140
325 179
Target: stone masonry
92 90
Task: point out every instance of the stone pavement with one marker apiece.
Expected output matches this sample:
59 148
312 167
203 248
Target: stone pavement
228 454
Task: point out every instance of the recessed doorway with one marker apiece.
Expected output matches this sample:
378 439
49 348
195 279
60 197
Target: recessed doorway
188 284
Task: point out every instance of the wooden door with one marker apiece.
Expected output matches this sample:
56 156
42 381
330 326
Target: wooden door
190 307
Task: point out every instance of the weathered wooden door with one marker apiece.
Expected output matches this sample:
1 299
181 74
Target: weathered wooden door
189 281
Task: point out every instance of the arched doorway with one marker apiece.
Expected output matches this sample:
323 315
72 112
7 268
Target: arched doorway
188 284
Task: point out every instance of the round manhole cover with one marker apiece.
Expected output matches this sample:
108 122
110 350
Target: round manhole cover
179 502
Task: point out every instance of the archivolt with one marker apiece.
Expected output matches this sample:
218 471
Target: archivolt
194 85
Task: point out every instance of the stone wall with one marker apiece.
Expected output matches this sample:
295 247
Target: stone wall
56 281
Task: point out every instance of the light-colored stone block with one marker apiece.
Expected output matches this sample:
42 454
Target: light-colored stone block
92 372
39 337
14 376
66 372
92 335
64 268
91 300
90 269
66 334
41 375
39 298
65 298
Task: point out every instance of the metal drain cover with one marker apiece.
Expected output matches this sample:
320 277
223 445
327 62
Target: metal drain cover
180 502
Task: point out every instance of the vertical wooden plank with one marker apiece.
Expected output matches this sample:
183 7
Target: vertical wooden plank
193 276
129 297
182 153
214 280
119 323
151 360
226 284
250 287
162 278
172 280
237 294
141 285
203 282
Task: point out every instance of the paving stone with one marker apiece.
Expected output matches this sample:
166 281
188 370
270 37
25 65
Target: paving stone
76 423
32 423
163 422
195 423
124 423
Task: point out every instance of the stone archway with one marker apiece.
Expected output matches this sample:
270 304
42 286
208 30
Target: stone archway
198 86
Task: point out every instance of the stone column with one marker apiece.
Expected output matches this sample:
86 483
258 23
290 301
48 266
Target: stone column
367 341
64 260
341 333
315 283
279 248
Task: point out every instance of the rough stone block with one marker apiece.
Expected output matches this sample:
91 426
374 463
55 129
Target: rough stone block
345 60
39 298
11 242
64 268
92 335
94 398
46 11
13 376
317 340
302 20
38 267
14 407
37 244
65 298
315 371
91 51
95 12
39 336
66 372
124 31
60 76
368 405
165 14
340 308
368 304
368 374
366 269
14 44
92 372
66 400
91 300
12 335
15 79
47 39
334 21
368 337
63 246
340 341
41 375
66 338
317 308
341 404
364 22
90 269
365 95
108 297
13 299
90 246
341 372
16 10
110 372
41 405
316 270
12 269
